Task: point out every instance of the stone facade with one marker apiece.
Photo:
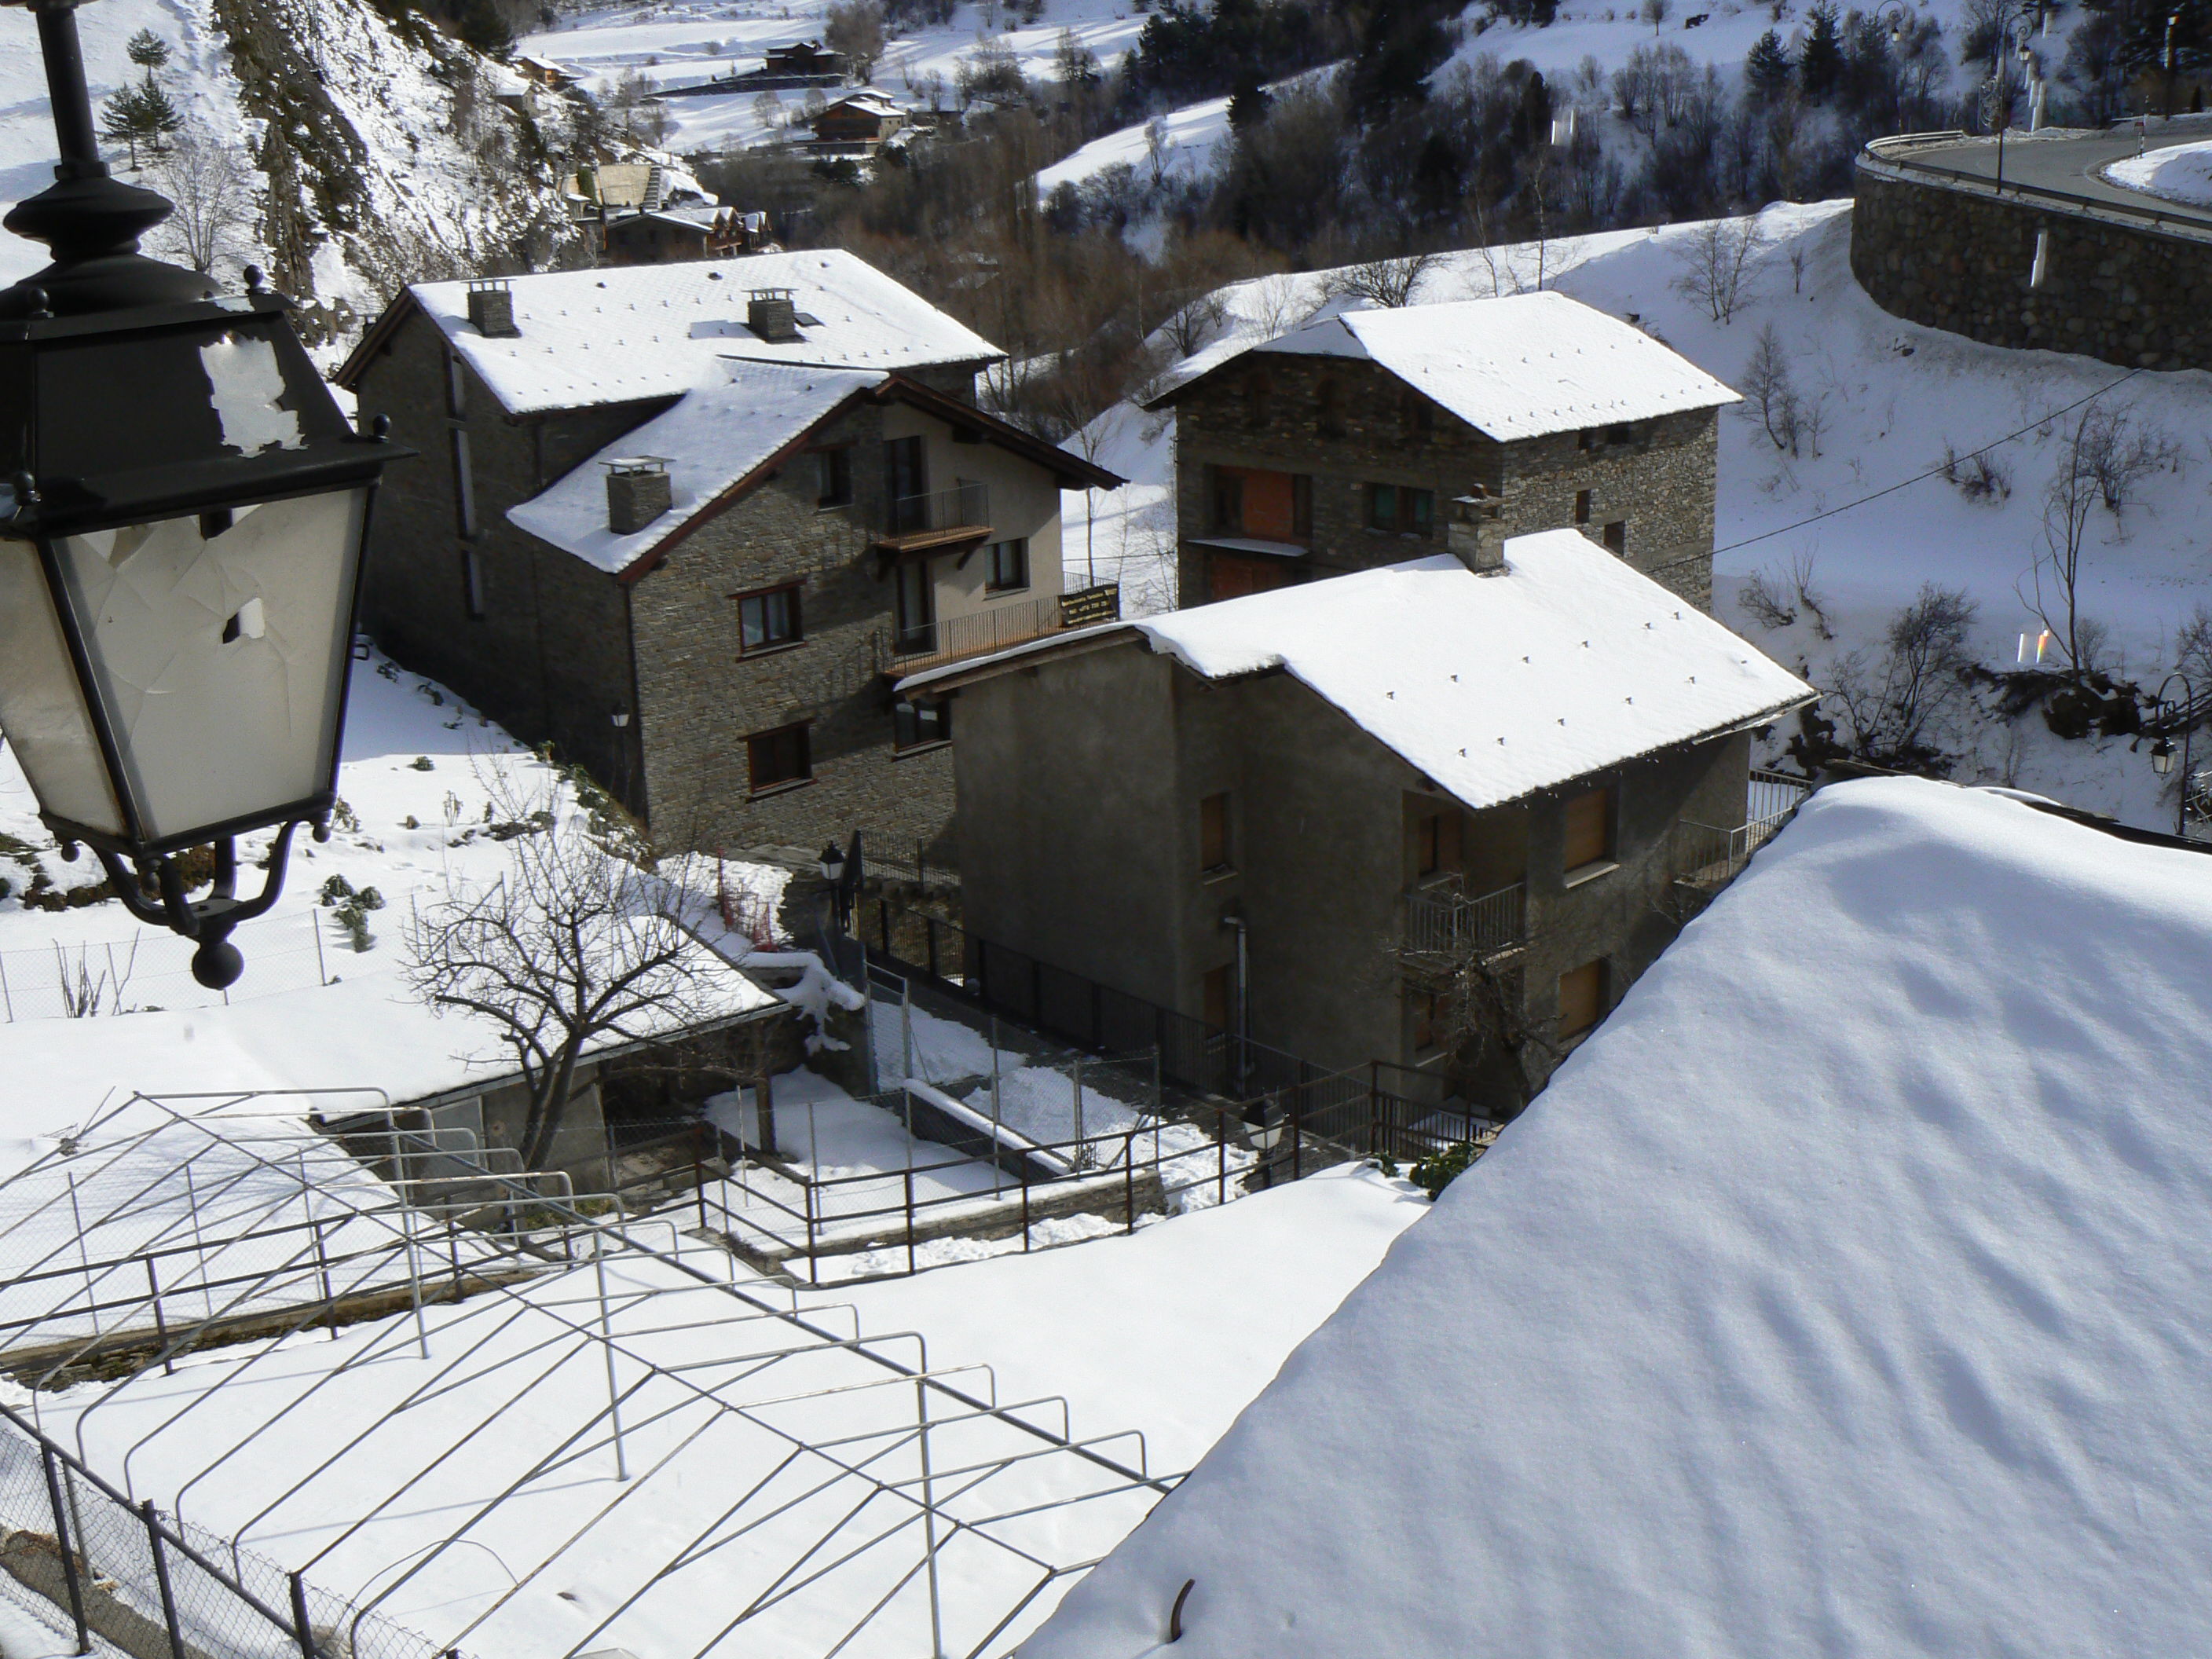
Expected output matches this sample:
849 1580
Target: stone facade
1082 841
555 649
1961 259
1347 425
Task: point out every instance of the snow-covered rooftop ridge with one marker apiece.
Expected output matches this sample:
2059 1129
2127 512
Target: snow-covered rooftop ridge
717 434
1849 1292
627 332
1521 365
1496 685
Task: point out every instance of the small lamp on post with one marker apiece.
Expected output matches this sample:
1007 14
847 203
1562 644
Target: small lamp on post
183 511
2169 715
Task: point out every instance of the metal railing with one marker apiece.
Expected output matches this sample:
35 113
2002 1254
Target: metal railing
949 639
965 506
1708 856
2172 217
151 970
1445 925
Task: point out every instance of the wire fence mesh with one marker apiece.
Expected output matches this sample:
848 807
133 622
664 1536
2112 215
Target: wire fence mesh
152 971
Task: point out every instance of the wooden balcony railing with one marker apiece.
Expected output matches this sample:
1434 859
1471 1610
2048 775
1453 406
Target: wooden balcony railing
951 639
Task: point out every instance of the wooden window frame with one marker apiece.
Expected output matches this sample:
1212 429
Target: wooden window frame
798 729
768 648
1600 1000
1402 518
991 582
1573 870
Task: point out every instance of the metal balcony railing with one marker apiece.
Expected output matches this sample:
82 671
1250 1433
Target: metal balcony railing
929 645
964 507
1445 928
1708 856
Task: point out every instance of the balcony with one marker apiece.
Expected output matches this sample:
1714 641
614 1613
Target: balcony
951 639
1446 931
1707 857
944 518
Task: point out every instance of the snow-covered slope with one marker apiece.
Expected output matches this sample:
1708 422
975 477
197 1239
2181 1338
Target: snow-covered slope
1848 1293
1862 508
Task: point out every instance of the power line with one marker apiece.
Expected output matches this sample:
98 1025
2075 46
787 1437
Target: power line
1933 471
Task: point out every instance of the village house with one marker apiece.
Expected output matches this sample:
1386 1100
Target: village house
857 125
690 522
1439 814
1340 445
685 233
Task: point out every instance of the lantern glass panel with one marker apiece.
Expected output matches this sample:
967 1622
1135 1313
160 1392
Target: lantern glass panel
41 704
218 645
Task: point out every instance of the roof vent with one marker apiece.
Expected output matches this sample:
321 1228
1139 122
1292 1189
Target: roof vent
770 314
491 308
1474 533
638 492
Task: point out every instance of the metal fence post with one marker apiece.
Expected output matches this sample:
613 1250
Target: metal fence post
162 1578
62 1539
909 1219
607 1342
160 1325
300 1628
1025 1207
7 999
1078 1074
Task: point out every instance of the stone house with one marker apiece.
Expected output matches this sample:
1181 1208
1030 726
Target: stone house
1432 814
684 233
1344 444
689 523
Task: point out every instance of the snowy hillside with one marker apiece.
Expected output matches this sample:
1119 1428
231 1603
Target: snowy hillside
369 153
1862 507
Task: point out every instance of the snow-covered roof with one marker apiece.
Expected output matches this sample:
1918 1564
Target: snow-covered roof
626 332
717 434
1849 1292
1521 365
1494 686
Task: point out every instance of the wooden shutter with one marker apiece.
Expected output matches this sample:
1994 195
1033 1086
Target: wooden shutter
1589 830
1270 505
1582 998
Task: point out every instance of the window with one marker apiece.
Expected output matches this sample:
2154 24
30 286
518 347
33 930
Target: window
916 724
1436 844
916 598
1616 538
1396 509
833 477
1582 998
1620 434
905 474
767 620
472 583
1228 503
1431 1019
1581 507
1217 997
1276 506
465 485
778 759
1006 565
1213 848
1259 401
1328 410
1589 838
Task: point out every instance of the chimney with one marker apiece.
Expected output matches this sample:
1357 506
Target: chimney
637 492
770 314
491 308
1473 533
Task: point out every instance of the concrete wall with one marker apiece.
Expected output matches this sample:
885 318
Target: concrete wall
1960 260
1660 484
1024 501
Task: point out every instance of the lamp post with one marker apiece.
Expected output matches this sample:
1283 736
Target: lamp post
183 510
2000 87
2161 750
1896 14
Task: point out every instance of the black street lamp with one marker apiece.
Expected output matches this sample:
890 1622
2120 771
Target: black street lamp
2166 716
183 510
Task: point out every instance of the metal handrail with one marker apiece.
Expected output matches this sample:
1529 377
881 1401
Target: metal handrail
1442 922
948 638
2172 218
964 505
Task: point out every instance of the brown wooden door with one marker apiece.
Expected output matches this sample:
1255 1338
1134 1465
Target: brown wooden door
1232 576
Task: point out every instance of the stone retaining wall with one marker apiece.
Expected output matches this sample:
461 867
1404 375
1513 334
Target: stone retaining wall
1960 259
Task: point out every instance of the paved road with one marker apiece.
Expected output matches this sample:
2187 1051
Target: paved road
2071 165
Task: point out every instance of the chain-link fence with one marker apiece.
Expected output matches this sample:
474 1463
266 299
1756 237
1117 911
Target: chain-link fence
87 1562
152 969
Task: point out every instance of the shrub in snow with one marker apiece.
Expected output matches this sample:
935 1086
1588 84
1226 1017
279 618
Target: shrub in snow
1897 712
423 763
1980 477
1437 1171
1760 600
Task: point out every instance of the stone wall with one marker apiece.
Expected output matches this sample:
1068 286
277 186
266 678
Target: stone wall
1658 484
1960 259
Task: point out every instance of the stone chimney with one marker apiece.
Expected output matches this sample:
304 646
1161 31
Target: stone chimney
637 493
1474 534
770 314
491 308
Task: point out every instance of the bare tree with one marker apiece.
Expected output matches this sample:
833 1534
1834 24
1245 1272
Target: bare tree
1716 258
2118 455
213 186
574 943
1655 13
1157 147
1386 282
1767 385
2069 499
1897 709
1193 325
856 28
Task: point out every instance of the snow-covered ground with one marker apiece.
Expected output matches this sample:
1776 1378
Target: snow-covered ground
1848 1293
1862 508
2182 174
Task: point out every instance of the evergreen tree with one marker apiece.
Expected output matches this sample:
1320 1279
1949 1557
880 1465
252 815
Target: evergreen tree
1247 104
1767 70
143 114
147 50
1821 66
